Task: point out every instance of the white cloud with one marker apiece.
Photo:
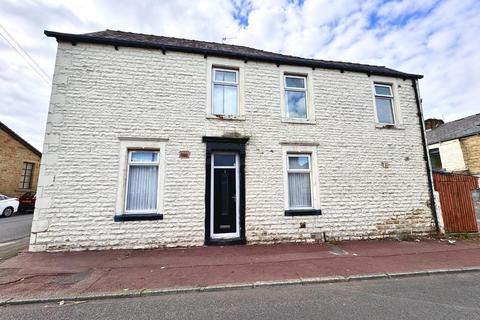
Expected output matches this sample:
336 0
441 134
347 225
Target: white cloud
434 38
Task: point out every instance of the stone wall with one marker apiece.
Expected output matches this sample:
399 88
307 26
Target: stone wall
471 153
372 181
13 154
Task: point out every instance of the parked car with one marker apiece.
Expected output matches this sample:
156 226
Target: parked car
8 206
27 202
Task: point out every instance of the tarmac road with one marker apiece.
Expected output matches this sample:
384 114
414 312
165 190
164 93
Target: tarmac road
14 235
454 296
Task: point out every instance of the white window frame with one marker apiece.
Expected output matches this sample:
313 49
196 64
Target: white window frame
391 97
296 150
304 89
131 163
229 65
309 171
139 144
301 72
224 83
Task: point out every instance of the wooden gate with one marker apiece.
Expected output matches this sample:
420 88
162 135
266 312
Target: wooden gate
456 200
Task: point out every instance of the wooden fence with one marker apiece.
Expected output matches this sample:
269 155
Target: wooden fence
456 200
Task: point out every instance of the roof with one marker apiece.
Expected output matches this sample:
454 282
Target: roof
19 139
129 39
454 130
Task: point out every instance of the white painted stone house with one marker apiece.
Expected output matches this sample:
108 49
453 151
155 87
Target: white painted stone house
154 141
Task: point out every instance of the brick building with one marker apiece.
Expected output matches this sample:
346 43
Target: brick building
19 164
455 146
154 141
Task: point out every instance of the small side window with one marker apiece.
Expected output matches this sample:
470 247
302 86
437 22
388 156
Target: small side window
26 176
435 159
384 104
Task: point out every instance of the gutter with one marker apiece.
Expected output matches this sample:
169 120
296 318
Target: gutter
74 38
426 154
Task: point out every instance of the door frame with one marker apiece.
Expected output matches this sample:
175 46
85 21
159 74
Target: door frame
226 145
231 235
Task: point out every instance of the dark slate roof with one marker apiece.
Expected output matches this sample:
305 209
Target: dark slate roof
19 139
454 130
129 39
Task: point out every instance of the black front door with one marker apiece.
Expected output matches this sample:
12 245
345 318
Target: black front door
224 196
225 190
224 204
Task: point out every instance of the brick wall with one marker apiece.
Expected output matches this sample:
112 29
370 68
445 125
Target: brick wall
471 153
100 94
12 156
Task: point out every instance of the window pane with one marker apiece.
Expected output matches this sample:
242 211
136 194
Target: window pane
383 90
225 99
299 194
225 76
295 82
142 188
224 160
230 95
296 104
384 110
144 156
298 162
217 99
435 159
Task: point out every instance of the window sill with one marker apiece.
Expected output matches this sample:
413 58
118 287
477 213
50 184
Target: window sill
222 242
303 212
228 118
298 121
389 126
137 217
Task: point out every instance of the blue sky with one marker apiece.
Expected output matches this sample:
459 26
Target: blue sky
436 38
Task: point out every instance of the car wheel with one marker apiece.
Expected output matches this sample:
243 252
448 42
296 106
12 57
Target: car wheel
8 212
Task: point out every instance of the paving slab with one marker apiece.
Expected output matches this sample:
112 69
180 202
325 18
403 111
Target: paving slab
70 274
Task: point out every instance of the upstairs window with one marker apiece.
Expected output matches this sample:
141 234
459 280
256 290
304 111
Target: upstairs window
295 97
299 181
384 104
26 177
142 182
225 92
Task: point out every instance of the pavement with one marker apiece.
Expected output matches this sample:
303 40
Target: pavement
447 296
76 275
14 235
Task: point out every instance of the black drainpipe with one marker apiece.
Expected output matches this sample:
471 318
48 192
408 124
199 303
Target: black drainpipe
425 155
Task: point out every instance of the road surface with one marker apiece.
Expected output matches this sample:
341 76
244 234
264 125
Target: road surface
14 235
455 296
